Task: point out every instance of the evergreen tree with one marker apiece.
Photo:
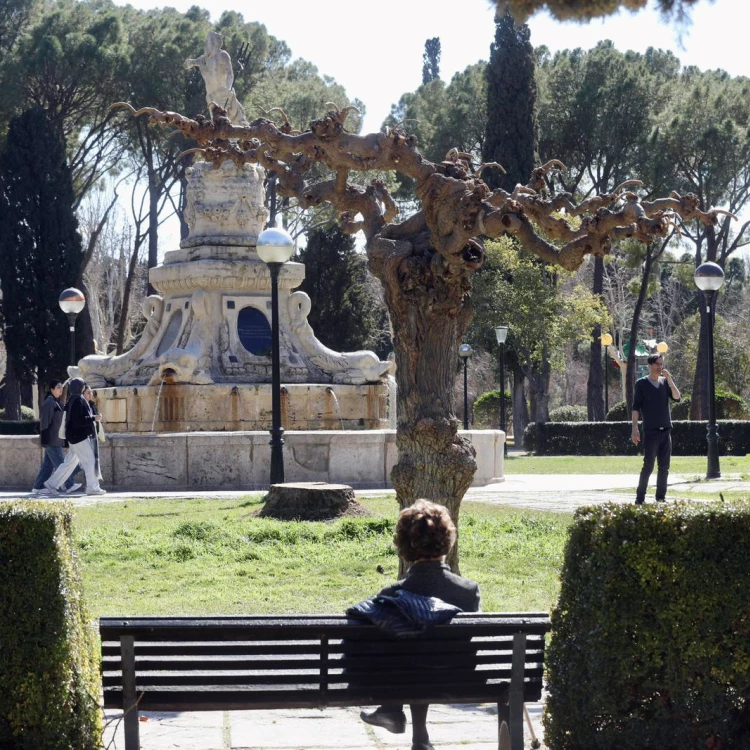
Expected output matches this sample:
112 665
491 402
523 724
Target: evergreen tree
431 60
40 248
511 137
348 312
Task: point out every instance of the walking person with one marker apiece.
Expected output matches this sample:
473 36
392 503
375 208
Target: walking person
79 428
88 394
50 419
651 404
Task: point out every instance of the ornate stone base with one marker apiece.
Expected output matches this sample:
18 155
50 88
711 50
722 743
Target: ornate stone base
217 407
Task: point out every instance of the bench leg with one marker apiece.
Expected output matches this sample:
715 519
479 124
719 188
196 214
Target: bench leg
503 733
515 699
419 734
129 700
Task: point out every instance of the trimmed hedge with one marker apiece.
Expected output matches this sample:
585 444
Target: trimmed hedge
613 438
27 414
728 406
9 427
569 414
487 410
650 643
49 657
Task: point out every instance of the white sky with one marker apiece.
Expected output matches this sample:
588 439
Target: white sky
375 49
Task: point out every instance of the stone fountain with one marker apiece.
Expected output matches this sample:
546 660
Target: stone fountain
203 361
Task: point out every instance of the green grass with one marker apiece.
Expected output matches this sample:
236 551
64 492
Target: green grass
162 557
616 464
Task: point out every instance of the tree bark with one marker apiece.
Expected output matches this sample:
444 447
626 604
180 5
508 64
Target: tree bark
12 392
520 407
594 390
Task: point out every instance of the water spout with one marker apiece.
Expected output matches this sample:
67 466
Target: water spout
335 398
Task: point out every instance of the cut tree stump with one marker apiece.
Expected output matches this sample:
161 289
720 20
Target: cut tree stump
311 501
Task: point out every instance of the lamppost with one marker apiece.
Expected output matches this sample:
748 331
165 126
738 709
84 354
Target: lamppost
606 339
465 351
275 247
71 303
709 278
501 333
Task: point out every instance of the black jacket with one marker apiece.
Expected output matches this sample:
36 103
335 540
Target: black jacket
49 422
80 423
652 403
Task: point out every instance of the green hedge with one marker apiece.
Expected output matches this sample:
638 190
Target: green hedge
487 410
650 645
8 427
613 438
27 414
728 406
49 657
569 414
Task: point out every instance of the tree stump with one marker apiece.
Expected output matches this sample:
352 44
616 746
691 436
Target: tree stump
311 501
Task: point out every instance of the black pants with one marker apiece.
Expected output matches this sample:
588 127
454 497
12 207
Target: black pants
657 446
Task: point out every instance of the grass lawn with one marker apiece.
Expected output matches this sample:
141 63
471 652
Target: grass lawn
163 557
617 465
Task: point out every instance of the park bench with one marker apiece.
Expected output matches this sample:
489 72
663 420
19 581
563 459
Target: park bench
271 662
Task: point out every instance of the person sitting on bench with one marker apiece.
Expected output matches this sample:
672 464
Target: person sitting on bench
425 534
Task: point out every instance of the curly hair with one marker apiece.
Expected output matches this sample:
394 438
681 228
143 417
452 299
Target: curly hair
424 530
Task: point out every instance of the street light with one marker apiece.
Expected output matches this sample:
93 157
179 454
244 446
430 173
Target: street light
275 247
662 347
501 333
709 278
606 339
465 351
71 303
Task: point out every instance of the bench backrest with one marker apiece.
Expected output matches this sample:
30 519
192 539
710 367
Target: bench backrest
315 661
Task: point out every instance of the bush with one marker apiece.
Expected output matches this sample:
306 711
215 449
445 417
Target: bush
487 410
569 414
618 413
613 438
18 428
650 642
49 659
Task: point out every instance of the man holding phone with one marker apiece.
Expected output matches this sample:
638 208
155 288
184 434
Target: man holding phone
651 403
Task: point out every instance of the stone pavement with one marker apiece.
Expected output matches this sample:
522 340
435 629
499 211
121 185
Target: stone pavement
469 727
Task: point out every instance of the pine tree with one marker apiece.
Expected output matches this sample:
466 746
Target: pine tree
511 137
348 313
40 248
431 60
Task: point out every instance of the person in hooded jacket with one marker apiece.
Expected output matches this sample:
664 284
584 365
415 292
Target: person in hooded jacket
80 427
50 418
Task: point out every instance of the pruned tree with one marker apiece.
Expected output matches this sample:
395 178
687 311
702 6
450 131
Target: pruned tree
425 262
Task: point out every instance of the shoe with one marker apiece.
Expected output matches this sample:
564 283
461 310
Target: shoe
99 491
52 490
35 492
393 722
639 502
422 746
661 499
73 488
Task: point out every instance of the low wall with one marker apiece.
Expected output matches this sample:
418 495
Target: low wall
241 460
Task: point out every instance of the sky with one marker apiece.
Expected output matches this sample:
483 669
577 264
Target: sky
375 49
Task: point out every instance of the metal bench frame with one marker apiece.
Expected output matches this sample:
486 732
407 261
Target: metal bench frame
182 664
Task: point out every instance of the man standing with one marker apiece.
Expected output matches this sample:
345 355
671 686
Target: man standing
651 403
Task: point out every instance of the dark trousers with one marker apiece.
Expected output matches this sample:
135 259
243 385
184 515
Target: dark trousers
657 446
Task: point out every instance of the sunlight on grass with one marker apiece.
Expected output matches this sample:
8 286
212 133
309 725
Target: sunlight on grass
617 465
213 556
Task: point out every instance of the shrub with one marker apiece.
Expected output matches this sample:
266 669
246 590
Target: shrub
613 438
569 414
27 414
18 428
681 410
487 410
49 660
730 406
650 642
618 413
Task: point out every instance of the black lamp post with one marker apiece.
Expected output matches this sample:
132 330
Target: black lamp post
606 340
275 247
501 333
709 278
72 302
465 351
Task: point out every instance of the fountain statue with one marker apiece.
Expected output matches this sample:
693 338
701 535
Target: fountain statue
208 336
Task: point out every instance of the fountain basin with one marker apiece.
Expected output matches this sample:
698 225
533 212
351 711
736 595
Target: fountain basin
203 461
241 407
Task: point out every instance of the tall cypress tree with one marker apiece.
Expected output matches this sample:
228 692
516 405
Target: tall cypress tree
431 60
511 136
40 248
